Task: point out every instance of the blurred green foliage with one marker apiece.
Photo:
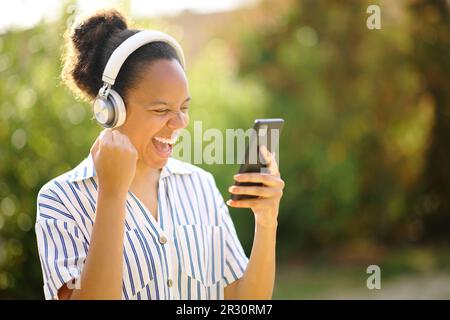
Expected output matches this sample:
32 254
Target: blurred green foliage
359 113
43 133
354 149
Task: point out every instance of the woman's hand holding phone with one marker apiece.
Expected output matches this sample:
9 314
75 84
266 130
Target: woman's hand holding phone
266 205
115 160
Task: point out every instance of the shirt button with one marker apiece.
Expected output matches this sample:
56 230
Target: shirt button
162 239
169 283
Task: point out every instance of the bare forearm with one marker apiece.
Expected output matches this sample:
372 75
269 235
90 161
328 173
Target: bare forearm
102 274
259 277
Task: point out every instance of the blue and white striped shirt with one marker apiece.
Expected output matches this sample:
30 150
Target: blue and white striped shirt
191 252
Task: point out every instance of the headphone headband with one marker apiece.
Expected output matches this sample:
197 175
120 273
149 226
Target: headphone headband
131 44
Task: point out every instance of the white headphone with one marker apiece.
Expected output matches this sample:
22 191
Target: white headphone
109 108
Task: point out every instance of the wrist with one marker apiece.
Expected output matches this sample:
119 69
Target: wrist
109 203
112 194
265 224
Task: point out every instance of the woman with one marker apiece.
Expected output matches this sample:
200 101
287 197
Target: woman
129 222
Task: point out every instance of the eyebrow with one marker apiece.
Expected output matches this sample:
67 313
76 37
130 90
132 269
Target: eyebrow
159 102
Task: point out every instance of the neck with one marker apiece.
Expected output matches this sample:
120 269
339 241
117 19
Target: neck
145 175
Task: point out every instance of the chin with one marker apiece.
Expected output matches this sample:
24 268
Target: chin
155 162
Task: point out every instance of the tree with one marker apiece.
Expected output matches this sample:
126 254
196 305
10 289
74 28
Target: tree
356 125
430 31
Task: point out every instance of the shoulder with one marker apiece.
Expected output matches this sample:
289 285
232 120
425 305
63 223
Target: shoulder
59 200
83 170
52 186
51 205
54 189
181 167
194 176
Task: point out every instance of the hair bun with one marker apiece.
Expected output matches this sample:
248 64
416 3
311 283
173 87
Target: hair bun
95 30
84 50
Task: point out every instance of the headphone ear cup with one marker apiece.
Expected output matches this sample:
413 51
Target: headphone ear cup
118 107
104 111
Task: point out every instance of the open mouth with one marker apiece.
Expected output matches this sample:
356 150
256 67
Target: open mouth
163 145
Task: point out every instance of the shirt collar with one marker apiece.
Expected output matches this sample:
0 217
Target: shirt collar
86 169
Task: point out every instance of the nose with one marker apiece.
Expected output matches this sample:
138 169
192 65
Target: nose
179 121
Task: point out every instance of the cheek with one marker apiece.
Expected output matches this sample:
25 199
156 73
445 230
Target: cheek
185 121
139 129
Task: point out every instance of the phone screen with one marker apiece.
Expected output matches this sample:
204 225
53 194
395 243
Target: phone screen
266 132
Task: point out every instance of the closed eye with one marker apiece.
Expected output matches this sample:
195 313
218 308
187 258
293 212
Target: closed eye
184 109
161 111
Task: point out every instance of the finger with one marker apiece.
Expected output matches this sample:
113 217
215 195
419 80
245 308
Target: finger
122 139
265 154
97 142
95 146
116 136
127 141
107 136
264 192
102 134
132 146
266 179
248 203
107 139
269 160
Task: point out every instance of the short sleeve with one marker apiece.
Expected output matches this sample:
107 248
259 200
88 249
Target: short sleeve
61 246
235 259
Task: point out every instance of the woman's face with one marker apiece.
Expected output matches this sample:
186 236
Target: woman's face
157 109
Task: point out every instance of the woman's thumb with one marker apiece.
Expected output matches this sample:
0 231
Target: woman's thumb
96 144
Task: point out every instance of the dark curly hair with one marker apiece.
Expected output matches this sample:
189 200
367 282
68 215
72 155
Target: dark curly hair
89 45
